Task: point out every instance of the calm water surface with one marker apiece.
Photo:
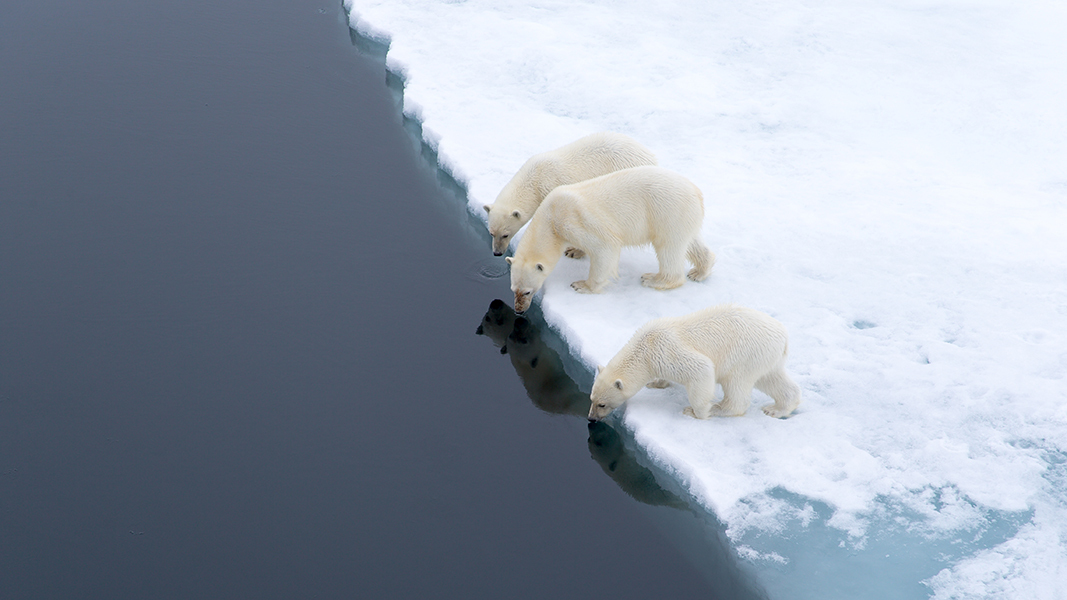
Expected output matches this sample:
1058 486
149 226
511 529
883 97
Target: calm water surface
248 343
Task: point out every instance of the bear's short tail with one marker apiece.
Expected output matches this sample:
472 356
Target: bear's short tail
701 258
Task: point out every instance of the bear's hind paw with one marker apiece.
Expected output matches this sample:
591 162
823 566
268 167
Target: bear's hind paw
689 412
584 287
659 282
772 410
574 253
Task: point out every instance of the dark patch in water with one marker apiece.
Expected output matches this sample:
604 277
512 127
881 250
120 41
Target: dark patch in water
607 448
540 367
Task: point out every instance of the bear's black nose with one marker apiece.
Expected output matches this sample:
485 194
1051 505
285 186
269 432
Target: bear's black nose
498 254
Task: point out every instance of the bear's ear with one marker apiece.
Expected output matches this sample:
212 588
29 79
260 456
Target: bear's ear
599 368
486 207
508 259
540 267
618 384
517 215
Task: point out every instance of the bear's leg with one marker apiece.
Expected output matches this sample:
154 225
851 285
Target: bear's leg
701 258
603 264
700 386
736 396
785 392
671 268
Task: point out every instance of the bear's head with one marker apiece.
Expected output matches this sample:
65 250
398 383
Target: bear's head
610 390
503 225
527 276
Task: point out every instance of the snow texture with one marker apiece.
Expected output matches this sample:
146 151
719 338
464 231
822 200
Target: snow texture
889 180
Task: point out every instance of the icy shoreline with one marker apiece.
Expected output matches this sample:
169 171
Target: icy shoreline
890 188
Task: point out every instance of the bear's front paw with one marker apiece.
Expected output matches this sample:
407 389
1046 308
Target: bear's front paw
584 287
574 253
772 410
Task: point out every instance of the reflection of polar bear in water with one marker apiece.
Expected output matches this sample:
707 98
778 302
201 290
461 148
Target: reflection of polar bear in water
607 449
552 390
539 367
497 324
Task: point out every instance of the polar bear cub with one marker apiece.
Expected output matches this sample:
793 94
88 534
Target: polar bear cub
632 207
591 156
737 347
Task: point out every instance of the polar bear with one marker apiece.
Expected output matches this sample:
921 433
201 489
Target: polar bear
631 207
737 347
591 156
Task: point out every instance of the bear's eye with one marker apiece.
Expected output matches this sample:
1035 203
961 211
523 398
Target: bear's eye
504 237
602 405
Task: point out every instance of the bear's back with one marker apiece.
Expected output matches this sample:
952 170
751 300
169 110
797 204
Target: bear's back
599 154
586 158
631 200
731 335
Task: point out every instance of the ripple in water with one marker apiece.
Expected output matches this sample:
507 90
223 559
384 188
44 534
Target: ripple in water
488 268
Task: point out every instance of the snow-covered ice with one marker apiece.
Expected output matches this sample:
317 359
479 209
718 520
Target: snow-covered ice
887 178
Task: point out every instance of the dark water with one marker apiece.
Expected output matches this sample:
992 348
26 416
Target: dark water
238 350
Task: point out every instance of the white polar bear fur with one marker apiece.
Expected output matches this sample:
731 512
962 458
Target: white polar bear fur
632 207
737 347
588 157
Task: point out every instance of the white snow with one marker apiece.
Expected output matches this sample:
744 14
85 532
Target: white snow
888 178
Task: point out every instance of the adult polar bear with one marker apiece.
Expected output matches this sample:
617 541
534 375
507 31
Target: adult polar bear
632 207
588 157
737 347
